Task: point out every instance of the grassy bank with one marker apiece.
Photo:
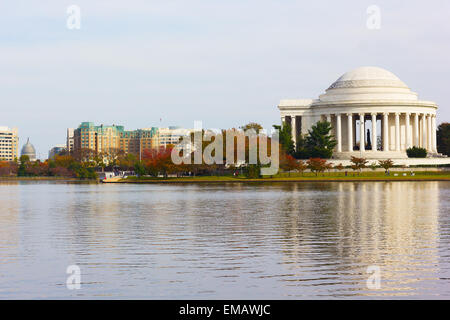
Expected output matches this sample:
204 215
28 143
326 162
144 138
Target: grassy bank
297 177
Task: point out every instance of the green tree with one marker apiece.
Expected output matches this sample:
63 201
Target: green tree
301 151
139 169
285 138
24 161
320 142
443 138
252 171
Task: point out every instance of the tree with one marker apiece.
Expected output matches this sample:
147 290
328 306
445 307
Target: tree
301 166
301 151
285 138
8 168
84 155
159 161
339 167
443 138
139 169
386 164
358 163
127 161
320 142
252 125
252 171
317 165
112 156
24 161
288 163
64 161
328 167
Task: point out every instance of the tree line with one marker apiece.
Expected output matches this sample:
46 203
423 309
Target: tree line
310 153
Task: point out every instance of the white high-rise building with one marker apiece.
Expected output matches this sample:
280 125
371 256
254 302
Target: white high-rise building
9 144
70 139
169 136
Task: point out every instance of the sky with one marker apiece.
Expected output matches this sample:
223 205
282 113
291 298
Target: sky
144 63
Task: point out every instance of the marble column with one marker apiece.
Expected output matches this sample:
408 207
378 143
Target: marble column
416 130
338 132
328 117
362 144
350 131
294 130
430 146
283 120
397 131
408 136
385 132
424 131
374 132
433 133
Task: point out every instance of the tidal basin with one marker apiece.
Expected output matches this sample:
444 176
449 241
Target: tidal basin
225 241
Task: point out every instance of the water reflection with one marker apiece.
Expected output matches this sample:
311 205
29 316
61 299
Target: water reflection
297 240
391 225
9 223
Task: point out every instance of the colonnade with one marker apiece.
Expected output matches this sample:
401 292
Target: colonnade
399 130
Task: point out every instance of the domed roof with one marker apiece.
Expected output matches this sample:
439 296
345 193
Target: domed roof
368 77
28 150
368 84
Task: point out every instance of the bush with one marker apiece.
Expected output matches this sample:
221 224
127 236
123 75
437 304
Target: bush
253 171
416 152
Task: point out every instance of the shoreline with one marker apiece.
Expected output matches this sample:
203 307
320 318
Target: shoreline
277 180
225 180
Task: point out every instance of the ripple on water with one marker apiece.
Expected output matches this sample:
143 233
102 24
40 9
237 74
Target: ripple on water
304 240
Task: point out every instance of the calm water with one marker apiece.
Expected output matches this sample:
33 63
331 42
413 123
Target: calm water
274 241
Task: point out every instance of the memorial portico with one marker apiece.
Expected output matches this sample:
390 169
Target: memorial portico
372 112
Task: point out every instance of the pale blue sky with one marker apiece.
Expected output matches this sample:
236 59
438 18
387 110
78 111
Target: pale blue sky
223 62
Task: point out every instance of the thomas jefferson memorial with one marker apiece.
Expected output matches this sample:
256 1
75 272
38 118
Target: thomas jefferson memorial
373 114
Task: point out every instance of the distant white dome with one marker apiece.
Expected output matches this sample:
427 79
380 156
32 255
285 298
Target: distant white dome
368 83
28 150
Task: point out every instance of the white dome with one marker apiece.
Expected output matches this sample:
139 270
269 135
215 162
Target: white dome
368 83
368 77
29 150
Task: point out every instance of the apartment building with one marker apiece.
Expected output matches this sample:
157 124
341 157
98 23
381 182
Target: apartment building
9 144
97 138
113 139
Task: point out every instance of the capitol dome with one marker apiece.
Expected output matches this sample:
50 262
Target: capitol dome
368 83
29 150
